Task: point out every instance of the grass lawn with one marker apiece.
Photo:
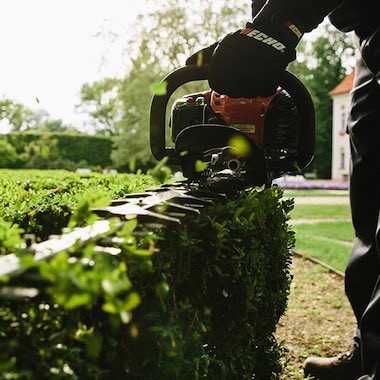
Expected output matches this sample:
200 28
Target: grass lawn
321 211
323 231
341 231
332 252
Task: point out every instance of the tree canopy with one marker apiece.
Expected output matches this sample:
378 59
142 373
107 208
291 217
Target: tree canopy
16 117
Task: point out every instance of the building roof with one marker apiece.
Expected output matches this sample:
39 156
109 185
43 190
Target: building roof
345 85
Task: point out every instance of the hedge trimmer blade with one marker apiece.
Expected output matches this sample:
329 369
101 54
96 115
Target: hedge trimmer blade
153 209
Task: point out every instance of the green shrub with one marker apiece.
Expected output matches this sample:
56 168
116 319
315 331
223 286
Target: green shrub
228 280
205 305
69 148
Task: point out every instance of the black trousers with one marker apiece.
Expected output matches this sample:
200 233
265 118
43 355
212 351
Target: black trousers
362 281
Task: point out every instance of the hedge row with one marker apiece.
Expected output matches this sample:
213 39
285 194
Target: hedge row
77 148
200 301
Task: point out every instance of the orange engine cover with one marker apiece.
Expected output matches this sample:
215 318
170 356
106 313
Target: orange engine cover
247 115
270 122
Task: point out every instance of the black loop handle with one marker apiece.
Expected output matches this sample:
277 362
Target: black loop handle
186 74
302 99
174 80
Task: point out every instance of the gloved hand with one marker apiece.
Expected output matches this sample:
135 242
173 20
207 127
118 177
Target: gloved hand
249 62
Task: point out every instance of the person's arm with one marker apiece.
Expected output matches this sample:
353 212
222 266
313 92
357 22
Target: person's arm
256 6
308 13
250 61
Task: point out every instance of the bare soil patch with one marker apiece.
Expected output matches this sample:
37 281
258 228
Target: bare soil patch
318 321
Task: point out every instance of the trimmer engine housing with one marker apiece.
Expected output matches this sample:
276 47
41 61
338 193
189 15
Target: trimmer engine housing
236 140
272 123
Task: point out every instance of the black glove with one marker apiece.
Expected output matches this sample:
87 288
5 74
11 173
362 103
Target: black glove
370 47
203 56
249 62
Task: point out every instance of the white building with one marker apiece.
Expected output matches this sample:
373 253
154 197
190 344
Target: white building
340 142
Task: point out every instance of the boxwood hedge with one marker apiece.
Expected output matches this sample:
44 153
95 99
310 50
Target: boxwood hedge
77 148
197 301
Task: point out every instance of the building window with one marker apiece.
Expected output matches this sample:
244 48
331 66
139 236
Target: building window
343 120
342 159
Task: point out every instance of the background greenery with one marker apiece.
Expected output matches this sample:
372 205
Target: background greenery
55 150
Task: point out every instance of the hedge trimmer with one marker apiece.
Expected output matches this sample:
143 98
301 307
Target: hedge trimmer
222 146
242 141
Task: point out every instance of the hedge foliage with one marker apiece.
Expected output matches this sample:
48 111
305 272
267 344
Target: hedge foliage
199 301
55 150
42 202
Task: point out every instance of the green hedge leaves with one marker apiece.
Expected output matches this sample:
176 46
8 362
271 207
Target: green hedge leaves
197 301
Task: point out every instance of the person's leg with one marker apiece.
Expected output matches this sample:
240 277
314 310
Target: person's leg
363 268
370 335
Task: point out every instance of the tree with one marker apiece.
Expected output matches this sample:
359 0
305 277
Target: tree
8 154
160 41
322 65
55 125
100 101
18 116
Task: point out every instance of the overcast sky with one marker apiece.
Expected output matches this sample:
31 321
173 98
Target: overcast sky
49 49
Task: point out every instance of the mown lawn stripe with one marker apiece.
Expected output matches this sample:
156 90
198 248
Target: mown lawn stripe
331 252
